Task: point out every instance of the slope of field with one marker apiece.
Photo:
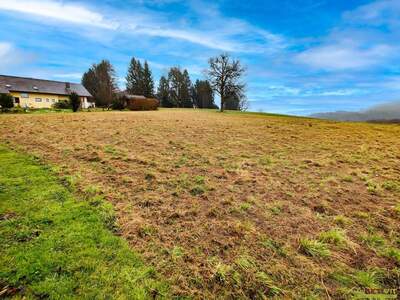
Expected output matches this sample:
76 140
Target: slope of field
237 205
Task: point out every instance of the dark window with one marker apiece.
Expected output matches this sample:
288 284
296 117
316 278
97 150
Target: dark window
16 100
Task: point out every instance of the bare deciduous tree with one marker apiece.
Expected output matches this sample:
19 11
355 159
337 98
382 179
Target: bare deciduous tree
225 75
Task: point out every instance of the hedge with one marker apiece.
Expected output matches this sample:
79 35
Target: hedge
143 104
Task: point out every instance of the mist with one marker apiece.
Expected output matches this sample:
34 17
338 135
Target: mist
383 112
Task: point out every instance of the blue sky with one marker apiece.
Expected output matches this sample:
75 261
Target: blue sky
302 56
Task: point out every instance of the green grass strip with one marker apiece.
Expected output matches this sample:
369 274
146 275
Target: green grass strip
54 246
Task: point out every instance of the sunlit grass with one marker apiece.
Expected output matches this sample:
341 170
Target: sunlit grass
54 246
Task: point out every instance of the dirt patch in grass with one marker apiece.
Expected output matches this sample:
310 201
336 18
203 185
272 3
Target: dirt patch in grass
223 203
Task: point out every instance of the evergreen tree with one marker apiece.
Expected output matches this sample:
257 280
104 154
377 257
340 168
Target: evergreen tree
179 88
89 81
163 93
185 94
6 102
148 83
203 95
100 81
175 81
135 78
75 101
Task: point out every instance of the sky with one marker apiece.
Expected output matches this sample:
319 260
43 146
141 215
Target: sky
301 56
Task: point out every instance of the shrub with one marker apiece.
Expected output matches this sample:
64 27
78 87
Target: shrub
75 101
6 102
143 104
62 104
17 110
119 103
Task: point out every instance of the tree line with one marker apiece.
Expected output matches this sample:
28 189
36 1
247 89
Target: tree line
224 77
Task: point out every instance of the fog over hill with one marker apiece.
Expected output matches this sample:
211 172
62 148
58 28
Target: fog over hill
384 112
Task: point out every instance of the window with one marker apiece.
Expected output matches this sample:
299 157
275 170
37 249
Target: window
38 100
24 95
47 100
53 100
16 100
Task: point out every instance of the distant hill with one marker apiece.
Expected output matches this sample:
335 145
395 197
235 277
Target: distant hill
383 112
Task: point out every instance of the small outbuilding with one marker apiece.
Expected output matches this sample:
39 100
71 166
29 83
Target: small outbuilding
139 102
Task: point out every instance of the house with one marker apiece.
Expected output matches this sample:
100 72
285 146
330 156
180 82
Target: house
40 93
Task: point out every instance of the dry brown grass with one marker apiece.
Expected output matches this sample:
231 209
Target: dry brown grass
219 203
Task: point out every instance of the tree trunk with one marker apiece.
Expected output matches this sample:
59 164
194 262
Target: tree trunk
222 98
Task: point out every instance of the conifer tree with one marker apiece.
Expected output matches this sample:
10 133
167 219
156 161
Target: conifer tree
100 81
163 93
148 83
135 78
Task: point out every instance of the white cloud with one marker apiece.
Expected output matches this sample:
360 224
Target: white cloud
231 35
58 10
340 92
282 90
381 12
190 36
76 76
277 90
345 56
11 57
358 42
5 49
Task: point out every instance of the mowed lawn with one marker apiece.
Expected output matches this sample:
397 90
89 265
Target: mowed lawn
235 205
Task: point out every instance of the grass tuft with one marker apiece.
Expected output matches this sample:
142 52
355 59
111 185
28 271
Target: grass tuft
397 209
368 279
391 186
275 246
334 236
372 240
342 220
393 254
314 248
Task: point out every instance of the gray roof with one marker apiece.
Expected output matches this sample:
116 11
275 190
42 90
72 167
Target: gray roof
32 85
131 97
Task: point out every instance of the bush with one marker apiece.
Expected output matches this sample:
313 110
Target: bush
143 104
6 102
17 110
75 101
62 104
119 103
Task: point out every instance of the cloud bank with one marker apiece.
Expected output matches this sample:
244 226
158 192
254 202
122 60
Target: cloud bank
383 112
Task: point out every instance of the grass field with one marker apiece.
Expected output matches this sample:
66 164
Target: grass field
53 246
236 205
